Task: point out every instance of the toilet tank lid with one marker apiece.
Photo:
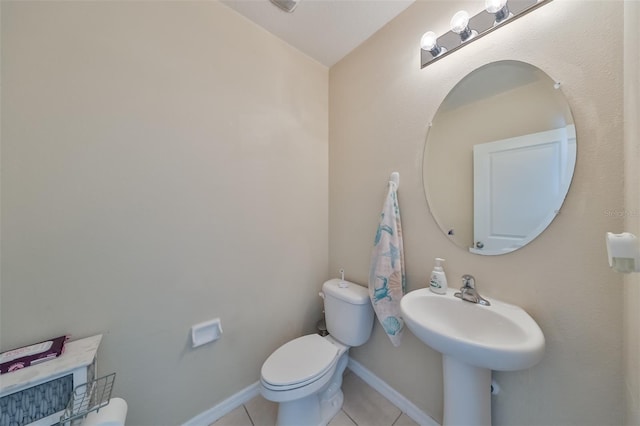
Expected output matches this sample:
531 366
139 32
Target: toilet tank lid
352 293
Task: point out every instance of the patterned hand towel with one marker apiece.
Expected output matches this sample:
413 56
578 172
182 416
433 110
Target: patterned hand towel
387 282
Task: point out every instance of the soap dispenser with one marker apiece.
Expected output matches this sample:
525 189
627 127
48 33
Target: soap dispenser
438 282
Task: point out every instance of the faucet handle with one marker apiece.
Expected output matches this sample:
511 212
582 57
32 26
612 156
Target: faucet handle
469 293
468 281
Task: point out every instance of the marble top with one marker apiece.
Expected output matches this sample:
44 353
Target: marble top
79 353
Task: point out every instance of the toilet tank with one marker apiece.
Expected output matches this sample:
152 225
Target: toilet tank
348 312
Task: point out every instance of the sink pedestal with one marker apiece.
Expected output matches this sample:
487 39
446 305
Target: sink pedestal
467 393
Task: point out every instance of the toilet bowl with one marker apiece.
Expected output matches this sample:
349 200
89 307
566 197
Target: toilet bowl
308 391
304 376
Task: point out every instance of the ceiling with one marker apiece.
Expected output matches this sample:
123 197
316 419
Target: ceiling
326 30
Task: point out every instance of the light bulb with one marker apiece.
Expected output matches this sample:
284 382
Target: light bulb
459 22
499 8
493 6
428 41
460 25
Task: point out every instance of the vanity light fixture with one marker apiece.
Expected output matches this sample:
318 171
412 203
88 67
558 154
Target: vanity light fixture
466 29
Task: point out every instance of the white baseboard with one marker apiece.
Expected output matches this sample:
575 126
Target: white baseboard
406 406
250 392
225 407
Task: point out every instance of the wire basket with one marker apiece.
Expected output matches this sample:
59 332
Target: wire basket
91 396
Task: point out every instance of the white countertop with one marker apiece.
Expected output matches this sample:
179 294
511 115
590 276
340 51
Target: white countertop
79 353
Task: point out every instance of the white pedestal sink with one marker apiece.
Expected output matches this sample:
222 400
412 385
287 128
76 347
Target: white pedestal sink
473 340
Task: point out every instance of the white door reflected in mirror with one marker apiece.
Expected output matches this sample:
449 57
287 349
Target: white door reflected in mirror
515 182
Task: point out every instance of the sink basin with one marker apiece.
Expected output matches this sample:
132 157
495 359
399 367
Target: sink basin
498 337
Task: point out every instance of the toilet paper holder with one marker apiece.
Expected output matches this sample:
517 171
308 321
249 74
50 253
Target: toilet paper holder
623 251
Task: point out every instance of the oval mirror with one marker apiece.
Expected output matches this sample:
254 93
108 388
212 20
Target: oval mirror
499 157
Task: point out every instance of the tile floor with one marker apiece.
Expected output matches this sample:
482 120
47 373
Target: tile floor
363 406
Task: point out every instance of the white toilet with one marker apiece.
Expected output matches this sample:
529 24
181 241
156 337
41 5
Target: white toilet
305 375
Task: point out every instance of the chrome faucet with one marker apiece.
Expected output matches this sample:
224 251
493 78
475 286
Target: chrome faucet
469 293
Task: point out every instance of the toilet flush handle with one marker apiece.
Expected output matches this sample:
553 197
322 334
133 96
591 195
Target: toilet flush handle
342 283
321 294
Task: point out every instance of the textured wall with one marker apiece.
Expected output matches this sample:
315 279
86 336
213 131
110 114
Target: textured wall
380 104
631 211
163 163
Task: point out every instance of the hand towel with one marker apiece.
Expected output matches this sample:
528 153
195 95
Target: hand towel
387 282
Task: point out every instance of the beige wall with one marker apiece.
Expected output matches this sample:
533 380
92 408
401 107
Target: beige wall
632 206
380 104
163 163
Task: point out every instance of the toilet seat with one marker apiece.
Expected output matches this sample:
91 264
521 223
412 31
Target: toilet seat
299 362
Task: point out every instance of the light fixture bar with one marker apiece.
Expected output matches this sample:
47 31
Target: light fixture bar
481 24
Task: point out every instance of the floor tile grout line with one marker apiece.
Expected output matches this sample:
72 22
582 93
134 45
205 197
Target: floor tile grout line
350 418
246 410
397 418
